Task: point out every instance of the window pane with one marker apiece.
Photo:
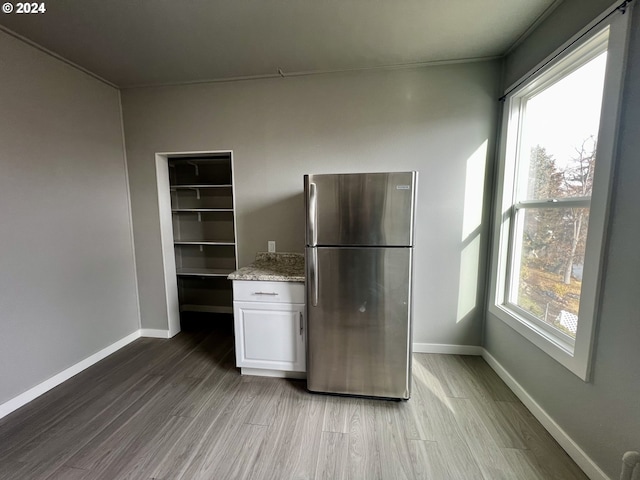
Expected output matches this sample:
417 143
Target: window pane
559 132
547 275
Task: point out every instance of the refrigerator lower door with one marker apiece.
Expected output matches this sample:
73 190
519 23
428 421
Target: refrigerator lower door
359 321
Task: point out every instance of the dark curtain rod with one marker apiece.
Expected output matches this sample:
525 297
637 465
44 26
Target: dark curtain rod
622 8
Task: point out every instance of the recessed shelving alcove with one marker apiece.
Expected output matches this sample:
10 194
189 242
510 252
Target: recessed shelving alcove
197 213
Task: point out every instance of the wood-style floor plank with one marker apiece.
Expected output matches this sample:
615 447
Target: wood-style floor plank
427 461
269 393
392 443
178 409
292 444
363 460
50 451
524 464
228 429
338 412
275 451
226 463
202 430
332 457
193 403
485 451
139 463
70 473
542 450
489 380
410 413
132 428
307 435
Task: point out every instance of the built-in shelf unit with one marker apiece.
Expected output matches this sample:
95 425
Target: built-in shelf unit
203 217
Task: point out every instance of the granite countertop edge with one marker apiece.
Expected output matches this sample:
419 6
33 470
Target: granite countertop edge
273 267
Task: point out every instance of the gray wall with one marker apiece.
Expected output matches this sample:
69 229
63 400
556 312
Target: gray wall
430 119
67 278
602 416
565 21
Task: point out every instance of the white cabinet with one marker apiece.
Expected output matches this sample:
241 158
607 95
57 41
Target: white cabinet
270 336
270 328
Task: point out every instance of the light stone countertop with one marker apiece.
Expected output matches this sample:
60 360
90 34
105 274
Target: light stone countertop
273 267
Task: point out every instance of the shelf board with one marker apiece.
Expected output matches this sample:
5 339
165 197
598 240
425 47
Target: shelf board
176 160
204 272
189 187
203 242
178 210
205 308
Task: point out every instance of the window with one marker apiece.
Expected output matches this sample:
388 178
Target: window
555 173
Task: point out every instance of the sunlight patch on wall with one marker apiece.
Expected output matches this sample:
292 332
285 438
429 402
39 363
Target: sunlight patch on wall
468 284
474 191
471 228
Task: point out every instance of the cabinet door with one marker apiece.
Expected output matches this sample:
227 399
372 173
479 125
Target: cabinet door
270 336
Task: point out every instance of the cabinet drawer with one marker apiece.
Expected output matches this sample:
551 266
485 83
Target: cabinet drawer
268 292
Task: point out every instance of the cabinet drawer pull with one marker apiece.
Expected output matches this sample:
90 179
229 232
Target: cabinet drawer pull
265 293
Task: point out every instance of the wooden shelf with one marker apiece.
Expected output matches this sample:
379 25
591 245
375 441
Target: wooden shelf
178 210
203 272
205 159
205 308
203 242
197 186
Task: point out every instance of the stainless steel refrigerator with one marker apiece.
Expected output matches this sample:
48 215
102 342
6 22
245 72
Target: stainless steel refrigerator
359 250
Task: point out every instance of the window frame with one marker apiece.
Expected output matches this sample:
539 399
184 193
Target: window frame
574 355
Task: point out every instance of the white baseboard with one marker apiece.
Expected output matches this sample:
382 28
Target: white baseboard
566 442
155 333
33 393
447 349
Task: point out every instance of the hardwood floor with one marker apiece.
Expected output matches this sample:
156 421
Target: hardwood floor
178 409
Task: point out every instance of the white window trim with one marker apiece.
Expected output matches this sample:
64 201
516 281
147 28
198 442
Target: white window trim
576 357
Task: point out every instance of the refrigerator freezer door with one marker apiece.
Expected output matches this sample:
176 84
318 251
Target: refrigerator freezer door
363 209
359 332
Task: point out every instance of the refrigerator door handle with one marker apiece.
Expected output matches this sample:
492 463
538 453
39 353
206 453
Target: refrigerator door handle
313 215
313 273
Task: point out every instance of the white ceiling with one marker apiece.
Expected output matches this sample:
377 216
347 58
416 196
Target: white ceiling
152 42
